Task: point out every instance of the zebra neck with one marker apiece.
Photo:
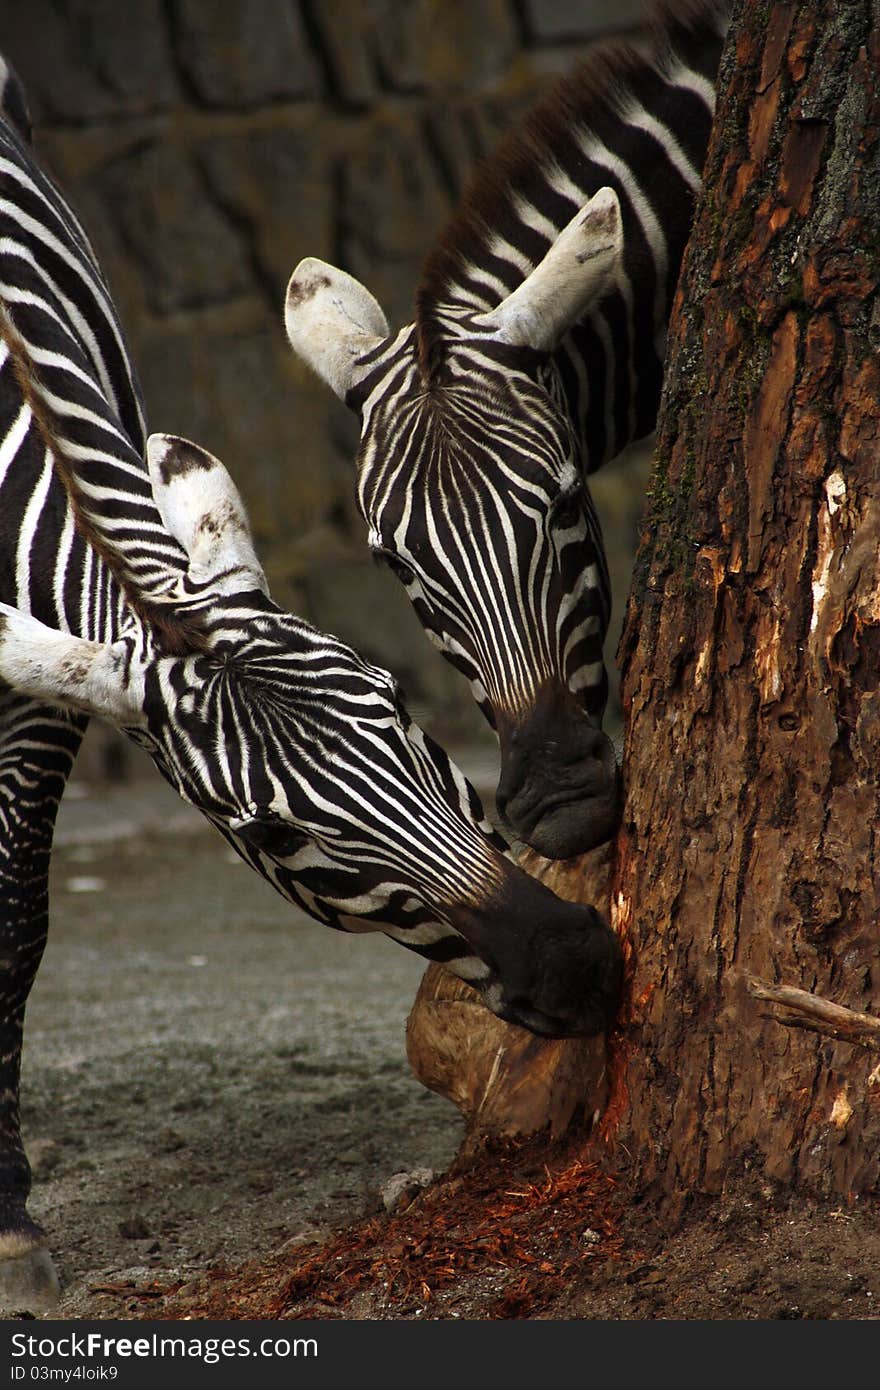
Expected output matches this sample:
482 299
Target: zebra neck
634 116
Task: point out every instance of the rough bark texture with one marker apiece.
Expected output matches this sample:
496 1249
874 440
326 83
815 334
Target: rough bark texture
751 651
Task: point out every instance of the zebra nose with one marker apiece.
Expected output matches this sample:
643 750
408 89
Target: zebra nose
559 787
556 965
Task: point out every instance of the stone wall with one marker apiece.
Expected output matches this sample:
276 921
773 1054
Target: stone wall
208 147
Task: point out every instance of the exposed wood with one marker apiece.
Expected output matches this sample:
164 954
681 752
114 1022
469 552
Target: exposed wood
505 1081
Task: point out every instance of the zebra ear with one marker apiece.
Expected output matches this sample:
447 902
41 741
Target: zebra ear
331 321
201 507
580 267
93 677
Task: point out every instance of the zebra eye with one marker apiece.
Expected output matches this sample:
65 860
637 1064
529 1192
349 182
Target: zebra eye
404 572
567 510
272 836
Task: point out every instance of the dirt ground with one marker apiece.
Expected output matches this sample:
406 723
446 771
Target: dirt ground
207 1072
216 1094
512 1240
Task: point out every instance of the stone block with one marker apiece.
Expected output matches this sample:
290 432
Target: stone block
188 253
461 134
438 45
90 60
562 21
342 37
278 182
392 202
233 389
406 46
244 53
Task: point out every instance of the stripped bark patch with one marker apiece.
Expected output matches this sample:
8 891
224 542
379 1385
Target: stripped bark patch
765 430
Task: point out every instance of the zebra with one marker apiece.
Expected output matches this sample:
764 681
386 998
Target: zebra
130 589
534 356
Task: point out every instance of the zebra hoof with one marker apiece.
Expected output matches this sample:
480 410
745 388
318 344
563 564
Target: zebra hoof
28 1282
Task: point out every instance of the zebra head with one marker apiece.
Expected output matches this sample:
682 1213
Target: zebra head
472 486
304 757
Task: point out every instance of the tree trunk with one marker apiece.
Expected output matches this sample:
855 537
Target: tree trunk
751 653
746 868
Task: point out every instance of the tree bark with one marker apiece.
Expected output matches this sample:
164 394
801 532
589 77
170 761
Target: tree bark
748 860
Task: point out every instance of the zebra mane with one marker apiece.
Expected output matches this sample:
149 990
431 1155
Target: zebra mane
176 636
595 91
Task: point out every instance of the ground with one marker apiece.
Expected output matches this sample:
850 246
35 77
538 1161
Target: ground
216 1094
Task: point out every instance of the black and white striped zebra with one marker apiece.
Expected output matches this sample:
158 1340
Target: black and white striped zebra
535 355
131 590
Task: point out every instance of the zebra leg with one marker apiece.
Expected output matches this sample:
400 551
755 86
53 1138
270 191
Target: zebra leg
37 748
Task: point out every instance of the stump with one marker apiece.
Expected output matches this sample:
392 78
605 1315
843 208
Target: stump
506 1081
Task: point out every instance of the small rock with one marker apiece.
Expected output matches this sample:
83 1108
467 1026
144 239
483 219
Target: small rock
401 1188
134 1228
312 1236
590 1237
85 883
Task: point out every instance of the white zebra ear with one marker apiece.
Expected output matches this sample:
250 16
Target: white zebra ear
580 267
201 507
93 677
331 321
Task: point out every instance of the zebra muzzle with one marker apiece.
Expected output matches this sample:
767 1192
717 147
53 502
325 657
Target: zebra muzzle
559 789
556 966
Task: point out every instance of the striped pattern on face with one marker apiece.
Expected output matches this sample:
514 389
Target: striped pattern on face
363 820
458 482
